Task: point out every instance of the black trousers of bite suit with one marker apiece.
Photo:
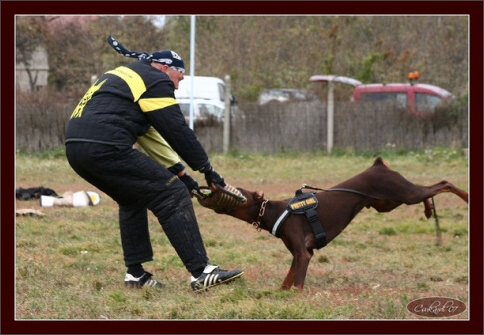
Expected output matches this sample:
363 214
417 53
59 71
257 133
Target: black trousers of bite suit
138 183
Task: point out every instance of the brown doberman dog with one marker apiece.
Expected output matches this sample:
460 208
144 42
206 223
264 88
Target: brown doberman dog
378 187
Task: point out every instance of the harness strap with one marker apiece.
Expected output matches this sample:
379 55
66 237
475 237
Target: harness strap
279 221
318 231
304 203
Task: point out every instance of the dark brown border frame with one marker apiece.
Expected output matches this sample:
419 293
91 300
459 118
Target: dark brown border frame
11 8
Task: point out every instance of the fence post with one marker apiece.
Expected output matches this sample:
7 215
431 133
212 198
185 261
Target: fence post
331 79
226 136
330 115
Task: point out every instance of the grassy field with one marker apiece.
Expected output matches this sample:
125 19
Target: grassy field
69 263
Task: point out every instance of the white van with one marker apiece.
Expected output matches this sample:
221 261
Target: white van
203 109
210 88
207 92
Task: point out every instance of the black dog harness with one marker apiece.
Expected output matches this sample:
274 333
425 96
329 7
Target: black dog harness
304 203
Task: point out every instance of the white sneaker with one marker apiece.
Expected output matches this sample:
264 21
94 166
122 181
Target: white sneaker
213 275
146 280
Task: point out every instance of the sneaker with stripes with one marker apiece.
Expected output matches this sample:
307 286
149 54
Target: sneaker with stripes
213 275
146 280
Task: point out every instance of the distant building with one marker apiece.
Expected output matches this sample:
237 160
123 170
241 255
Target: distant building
39 65
39 70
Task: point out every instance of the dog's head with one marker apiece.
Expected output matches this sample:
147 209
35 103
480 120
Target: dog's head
221 203
249 210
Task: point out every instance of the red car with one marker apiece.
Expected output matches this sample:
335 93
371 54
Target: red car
416 98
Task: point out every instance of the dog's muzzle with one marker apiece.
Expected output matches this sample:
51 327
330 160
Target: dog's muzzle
223 198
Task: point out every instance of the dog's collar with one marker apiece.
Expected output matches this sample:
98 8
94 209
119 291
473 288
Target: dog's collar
262 210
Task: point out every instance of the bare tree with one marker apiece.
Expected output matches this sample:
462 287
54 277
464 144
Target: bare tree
284 51
29 35
260 52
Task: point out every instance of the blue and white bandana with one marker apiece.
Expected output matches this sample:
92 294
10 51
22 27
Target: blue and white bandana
166 57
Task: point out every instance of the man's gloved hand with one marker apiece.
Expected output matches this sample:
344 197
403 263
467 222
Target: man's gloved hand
213 177
189 182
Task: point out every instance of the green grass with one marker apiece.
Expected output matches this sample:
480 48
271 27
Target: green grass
69 263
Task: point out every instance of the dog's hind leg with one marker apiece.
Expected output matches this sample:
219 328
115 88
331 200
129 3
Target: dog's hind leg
418 193
445 186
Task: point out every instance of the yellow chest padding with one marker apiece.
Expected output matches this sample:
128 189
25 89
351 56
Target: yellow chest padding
138 87
134 81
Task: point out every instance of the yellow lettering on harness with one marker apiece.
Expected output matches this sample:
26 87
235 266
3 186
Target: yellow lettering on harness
310 201
303 203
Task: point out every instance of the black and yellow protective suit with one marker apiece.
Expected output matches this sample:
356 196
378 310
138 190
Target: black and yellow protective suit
117 111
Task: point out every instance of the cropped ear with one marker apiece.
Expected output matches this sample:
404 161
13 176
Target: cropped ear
380 161
259 195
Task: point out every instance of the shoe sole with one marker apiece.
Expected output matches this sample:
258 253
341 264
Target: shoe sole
137 285
218 283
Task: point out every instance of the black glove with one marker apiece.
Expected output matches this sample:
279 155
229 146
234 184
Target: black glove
213 177
177 168
189 182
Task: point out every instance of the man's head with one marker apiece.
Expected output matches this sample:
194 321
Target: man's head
166 61
169 62
170 58
165 57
